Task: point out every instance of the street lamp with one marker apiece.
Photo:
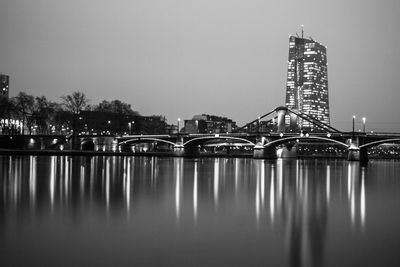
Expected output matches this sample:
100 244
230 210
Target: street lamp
130 126
354 118
363 120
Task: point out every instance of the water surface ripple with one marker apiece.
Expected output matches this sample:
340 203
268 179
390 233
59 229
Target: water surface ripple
149 211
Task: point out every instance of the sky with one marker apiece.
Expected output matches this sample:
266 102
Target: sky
180 58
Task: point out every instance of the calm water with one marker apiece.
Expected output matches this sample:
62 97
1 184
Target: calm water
138 211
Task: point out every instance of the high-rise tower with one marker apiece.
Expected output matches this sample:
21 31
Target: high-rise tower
307 79
4 85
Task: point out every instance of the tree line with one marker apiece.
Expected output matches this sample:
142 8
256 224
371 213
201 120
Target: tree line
39 114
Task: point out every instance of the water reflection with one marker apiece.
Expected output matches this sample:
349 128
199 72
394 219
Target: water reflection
304 213
32 180
216 181
293 191
178 185
127 184
356 195
362 199
272 195
195 191
292 199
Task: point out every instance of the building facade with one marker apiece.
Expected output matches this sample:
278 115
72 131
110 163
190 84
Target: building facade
209 124
307 80
4 85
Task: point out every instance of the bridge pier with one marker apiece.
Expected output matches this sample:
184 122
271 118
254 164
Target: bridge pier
353 155
357 154
179 150
264 152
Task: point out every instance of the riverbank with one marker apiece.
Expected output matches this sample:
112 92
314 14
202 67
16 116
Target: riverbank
37 152
48 152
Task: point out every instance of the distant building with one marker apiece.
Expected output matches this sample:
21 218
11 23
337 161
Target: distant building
209 124
307 80
4 85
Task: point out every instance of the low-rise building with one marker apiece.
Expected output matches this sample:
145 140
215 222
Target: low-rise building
209 124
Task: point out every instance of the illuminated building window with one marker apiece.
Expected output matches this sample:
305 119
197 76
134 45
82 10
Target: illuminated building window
307 82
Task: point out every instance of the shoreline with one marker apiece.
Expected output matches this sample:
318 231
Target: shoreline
28 152
35 152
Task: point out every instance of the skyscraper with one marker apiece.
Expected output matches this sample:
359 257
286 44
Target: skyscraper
4 85
307 80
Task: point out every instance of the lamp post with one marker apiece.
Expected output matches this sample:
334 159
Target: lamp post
363 121
130 126
354 118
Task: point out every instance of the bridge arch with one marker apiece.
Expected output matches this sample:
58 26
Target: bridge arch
293 138
87 144
216 138
380 142
138 140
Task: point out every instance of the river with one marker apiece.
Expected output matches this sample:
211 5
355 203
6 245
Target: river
150 211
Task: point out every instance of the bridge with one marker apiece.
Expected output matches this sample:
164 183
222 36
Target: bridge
277 133
274 134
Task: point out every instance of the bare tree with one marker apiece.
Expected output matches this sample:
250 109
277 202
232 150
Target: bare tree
43 113
75 102
24 106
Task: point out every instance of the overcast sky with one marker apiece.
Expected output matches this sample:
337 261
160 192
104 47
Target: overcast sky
179 58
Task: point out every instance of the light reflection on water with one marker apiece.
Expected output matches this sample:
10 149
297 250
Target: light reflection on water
194 212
